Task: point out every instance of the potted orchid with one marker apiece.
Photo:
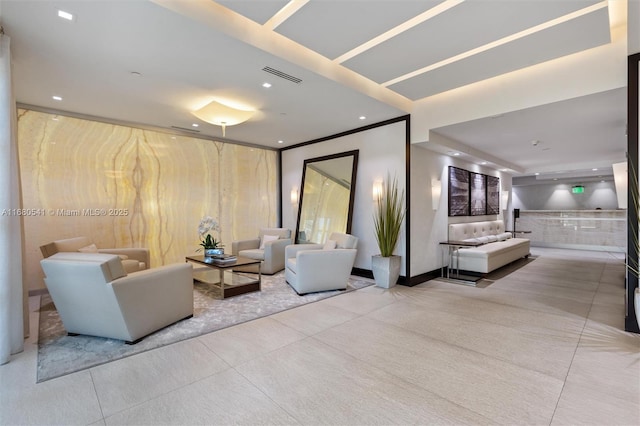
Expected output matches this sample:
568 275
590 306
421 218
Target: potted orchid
210 245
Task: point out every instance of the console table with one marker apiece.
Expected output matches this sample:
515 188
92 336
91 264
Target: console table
457 278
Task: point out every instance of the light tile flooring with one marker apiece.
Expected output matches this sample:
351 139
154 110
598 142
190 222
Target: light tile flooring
542 345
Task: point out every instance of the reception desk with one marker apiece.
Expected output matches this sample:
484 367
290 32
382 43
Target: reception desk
603 230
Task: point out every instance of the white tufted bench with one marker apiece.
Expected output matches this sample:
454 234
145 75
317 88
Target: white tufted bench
498 249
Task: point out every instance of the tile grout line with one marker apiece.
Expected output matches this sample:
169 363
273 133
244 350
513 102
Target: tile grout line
95 391
564 383
195 338
229 366
399 378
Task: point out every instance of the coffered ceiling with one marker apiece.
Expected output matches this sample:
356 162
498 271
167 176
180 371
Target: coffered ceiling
152 63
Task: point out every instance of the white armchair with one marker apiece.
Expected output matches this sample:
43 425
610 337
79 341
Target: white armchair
133 259
317 267
94 295
268 247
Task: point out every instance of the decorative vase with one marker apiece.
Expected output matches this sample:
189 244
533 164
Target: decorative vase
386 270
212 252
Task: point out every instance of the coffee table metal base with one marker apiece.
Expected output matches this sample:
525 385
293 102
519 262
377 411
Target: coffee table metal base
230 282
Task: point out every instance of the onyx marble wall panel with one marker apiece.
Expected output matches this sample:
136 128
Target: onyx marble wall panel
127 187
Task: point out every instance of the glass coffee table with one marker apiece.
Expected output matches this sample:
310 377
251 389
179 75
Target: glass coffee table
222 275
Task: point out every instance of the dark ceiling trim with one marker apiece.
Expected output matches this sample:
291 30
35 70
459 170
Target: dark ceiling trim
171 131
349 132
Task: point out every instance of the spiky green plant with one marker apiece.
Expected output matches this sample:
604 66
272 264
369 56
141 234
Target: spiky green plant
388 217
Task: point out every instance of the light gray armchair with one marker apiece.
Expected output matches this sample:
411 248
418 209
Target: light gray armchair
94 295
317 267
268 247
133 259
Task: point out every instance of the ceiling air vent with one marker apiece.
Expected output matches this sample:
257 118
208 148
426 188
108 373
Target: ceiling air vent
281 74
185 129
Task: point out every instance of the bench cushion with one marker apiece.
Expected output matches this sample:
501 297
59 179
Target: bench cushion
497 250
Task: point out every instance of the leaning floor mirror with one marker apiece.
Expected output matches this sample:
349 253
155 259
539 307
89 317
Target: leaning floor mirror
326 199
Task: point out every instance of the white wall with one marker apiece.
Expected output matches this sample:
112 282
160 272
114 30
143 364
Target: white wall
560 197
382 150
429 227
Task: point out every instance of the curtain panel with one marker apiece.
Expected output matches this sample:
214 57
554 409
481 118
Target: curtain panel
13 321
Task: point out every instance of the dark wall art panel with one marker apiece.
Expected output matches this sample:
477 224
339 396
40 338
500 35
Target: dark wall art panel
493 195
458 192
478 194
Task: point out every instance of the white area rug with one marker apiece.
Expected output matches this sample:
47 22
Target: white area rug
59 354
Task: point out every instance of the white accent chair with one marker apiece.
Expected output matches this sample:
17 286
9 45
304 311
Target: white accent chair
268 247
316 267
94 295
133 259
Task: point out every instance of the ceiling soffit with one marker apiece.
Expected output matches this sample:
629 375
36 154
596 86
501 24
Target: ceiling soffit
582 33
417 48
333 28
257 11
460 29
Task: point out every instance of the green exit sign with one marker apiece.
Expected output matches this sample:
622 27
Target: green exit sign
578 189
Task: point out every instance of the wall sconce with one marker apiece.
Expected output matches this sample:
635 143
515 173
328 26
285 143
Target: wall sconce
621 181
294 195
222 115
505 199
436 192
377 190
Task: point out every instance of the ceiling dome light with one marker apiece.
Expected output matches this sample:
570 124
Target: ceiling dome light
266 85
362 117
56 98
222 115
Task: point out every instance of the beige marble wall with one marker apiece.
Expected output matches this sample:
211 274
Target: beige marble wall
127 187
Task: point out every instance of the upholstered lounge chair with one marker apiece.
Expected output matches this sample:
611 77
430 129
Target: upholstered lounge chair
95 296
316 267
133 259
268 247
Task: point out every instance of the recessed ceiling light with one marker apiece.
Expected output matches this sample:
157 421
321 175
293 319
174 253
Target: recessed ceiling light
362 117
484 163
56 98
280 141
195 125
455 154
65 15
594 169
537 174
555 178
266 85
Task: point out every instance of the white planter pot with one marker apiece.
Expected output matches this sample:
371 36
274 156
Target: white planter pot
386 270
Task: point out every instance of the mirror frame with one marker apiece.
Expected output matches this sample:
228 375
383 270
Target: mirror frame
352 191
